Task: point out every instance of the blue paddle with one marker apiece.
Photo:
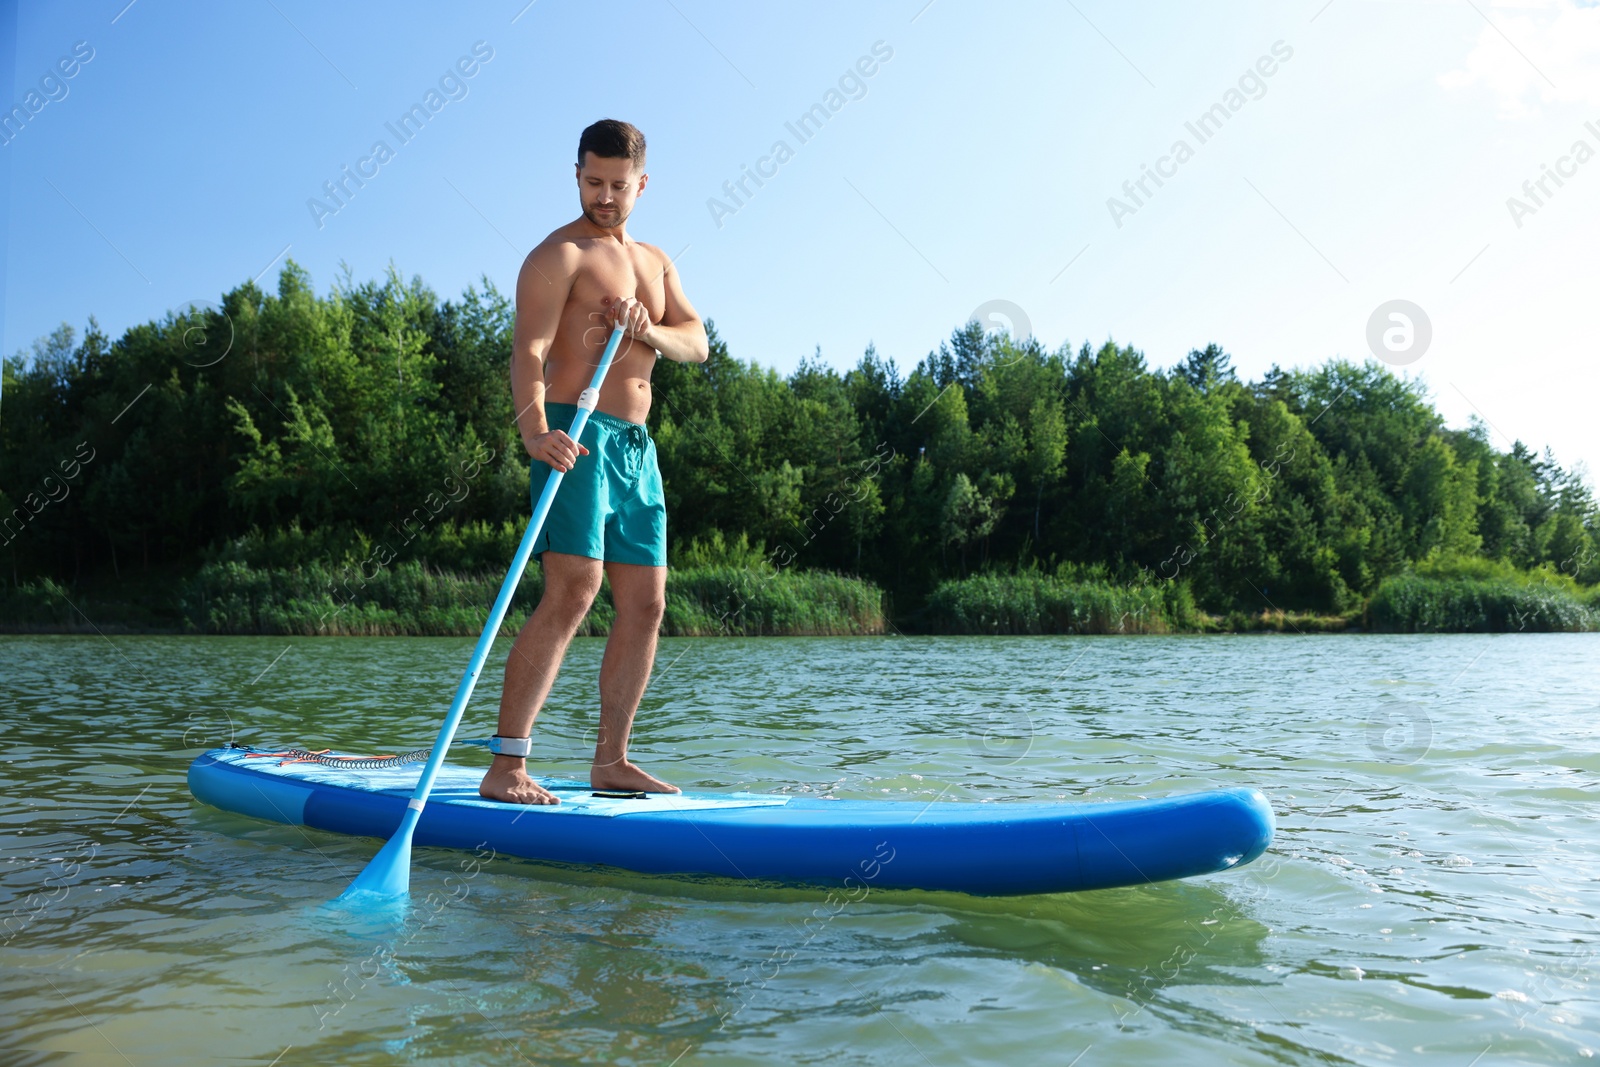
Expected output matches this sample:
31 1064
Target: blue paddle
388 875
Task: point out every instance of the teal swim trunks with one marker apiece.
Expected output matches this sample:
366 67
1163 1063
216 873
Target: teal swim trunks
611 505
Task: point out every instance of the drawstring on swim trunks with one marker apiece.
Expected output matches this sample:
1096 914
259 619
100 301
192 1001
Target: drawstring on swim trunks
636 442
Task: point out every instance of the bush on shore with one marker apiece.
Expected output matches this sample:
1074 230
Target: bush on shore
1418 604
1037 603
1469 594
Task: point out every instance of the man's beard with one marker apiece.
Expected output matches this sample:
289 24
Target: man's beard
605 222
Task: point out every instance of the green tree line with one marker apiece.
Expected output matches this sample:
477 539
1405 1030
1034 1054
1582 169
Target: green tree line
373 426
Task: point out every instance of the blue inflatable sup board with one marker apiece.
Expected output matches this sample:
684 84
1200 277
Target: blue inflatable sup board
992 849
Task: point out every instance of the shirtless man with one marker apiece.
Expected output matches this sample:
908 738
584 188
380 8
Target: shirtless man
610 513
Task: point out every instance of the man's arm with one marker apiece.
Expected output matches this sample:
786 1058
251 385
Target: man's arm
680 335
542 289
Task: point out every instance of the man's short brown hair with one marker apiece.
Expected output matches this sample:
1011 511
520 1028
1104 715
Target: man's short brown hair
612 139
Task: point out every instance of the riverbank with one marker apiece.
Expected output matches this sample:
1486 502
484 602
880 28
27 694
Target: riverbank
1494 600
1042 604
411 599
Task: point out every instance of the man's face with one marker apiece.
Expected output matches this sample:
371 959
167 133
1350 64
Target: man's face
607 189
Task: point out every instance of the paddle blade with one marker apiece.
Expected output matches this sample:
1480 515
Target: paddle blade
387 877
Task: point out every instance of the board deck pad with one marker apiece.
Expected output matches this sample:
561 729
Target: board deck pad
459 785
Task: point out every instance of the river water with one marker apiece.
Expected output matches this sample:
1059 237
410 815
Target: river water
1431 897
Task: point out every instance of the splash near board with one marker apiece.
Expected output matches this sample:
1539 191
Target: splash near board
980 848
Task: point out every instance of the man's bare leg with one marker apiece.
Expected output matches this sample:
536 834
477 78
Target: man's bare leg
570 584
640 596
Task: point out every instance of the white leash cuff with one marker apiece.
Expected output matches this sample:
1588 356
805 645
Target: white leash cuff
511 746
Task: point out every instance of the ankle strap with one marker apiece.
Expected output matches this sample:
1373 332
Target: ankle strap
519 747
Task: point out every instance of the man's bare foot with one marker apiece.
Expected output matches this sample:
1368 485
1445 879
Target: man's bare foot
508 780
627 777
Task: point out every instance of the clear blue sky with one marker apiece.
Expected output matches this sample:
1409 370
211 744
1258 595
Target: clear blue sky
976 164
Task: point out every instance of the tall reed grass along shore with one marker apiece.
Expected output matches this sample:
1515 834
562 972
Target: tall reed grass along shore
235 598
757 600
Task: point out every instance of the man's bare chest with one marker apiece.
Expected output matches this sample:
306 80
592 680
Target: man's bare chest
620 275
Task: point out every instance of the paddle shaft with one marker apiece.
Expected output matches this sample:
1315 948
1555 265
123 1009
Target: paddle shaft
387 877
519 563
